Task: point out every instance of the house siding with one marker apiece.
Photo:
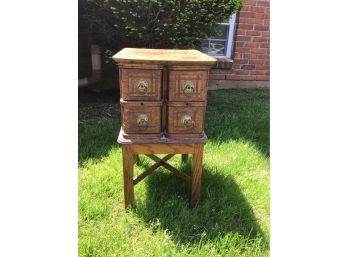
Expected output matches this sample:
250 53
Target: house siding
251 45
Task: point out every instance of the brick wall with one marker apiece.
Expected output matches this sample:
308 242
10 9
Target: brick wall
251 44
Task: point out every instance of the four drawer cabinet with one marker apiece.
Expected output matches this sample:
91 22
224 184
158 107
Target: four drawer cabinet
163 92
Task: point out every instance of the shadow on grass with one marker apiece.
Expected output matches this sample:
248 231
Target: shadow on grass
96 138
221 210
231 114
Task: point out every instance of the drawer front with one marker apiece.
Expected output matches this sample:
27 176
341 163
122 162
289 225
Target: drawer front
188 85
141 84
141 118
185 119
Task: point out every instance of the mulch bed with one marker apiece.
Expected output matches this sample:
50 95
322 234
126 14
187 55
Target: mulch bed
98 105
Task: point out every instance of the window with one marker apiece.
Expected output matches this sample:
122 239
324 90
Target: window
222 44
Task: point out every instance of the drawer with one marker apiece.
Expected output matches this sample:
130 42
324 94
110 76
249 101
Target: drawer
141 84
141 117
187 85
185 117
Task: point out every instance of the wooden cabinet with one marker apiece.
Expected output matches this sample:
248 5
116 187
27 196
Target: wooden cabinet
163 92
141 84
141 117
185 118
187 85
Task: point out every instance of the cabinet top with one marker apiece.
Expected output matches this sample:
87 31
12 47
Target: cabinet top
165 56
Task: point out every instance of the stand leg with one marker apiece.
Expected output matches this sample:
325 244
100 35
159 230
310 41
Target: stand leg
128 164
184 157
196 174
137 159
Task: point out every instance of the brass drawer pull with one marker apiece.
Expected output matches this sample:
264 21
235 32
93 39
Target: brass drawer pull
142 86
187 121
189 87
142 120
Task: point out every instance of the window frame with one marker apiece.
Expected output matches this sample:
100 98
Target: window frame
229 40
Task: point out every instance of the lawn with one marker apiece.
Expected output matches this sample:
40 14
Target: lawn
232 218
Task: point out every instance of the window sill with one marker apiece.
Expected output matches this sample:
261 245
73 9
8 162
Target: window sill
223 63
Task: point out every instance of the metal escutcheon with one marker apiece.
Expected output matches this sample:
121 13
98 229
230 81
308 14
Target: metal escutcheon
142 120
188 87
142 86
186 120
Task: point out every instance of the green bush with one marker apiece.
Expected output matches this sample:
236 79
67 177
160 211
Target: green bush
153 23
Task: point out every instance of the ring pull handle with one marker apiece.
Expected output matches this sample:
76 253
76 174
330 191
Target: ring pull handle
187 121
142 86
189 87
142 120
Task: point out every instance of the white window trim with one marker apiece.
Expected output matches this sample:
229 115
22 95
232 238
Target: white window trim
230 38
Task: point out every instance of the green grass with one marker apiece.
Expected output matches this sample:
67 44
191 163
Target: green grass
232 218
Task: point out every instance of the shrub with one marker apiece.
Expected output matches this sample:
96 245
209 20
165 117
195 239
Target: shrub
156 23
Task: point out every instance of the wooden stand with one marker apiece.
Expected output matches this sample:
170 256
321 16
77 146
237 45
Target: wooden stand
131 148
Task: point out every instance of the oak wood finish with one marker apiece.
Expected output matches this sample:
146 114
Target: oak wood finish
178 85
163 100
128 164
180 112
196 174
132 150
170 168
163 56
133 112
130 84
169 77
151 169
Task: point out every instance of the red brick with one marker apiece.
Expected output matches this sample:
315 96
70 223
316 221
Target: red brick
262 67
246 8
256 21
241 61
261 77
241 72
264 45
246 55
267 62
242 38
236 67
237 55
261 28
261 16
252 44
257 61
241 32
267 10
250 2
261 56
265 34
245 26
263 3
248 67
240 43
217 76
244 49
265 22
258 9
253 33
258 50
250 21
257 72
239 77
247 14
243 20
259 39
